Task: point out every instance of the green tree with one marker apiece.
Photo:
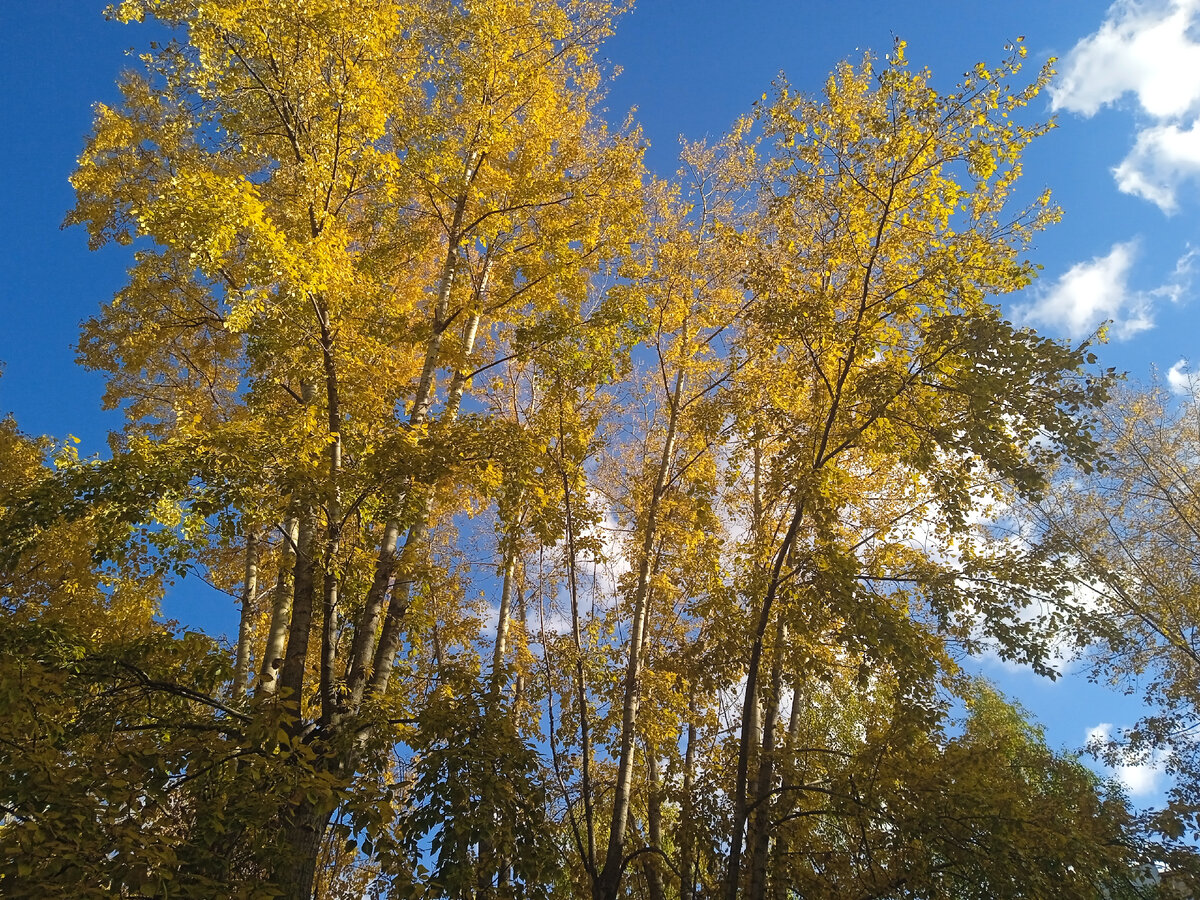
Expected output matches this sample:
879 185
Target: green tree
884 797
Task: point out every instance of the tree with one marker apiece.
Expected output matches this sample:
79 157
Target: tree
869 353
1126 531
116 751
665 490
411 346
877 800
344 211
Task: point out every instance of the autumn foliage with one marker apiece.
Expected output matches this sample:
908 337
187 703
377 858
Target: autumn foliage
594 534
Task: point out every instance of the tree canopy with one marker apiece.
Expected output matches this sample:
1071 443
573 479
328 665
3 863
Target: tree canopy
1126 533
594 534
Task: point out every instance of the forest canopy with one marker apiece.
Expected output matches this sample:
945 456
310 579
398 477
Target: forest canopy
593 533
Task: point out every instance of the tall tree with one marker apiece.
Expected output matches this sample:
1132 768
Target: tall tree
593 535
344 211
872 349
1127 532
668 482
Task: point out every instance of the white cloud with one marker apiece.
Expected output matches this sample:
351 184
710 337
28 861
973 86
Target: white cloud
1150 49
1098 290
1180 379
1143 48
1090 293
1179 285
1141 779
1162 159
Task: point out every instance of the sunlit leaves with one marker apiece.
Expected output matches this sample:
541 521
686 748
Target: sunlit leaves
410 336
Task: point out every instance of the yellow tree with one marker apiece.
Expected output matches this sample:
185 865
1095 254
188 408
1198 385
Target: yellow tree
667 476
871 345
406 336
343 211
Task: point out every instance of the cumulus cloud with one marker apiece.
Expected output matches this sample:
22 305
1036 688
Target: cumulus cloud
1090 293
1142 48
1179 379
1142 779
1098 290
1162 159
1149 49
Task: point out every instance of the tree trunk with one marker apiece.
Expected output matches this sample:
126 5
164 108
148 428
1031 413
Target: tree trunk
304 832
333 525
369 622
423 399
580 682
492 866
291 678
241 669
519 681
610 877
787 803
281 612
295 661
733 869
504 615
760 832
652 864
390 637
366 648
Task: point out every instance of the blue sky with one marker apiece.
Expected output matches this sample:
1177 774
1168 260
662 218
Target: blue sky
1124 164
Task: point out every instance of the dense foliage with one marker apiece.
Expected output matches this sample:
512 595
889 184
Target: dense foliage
593 534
